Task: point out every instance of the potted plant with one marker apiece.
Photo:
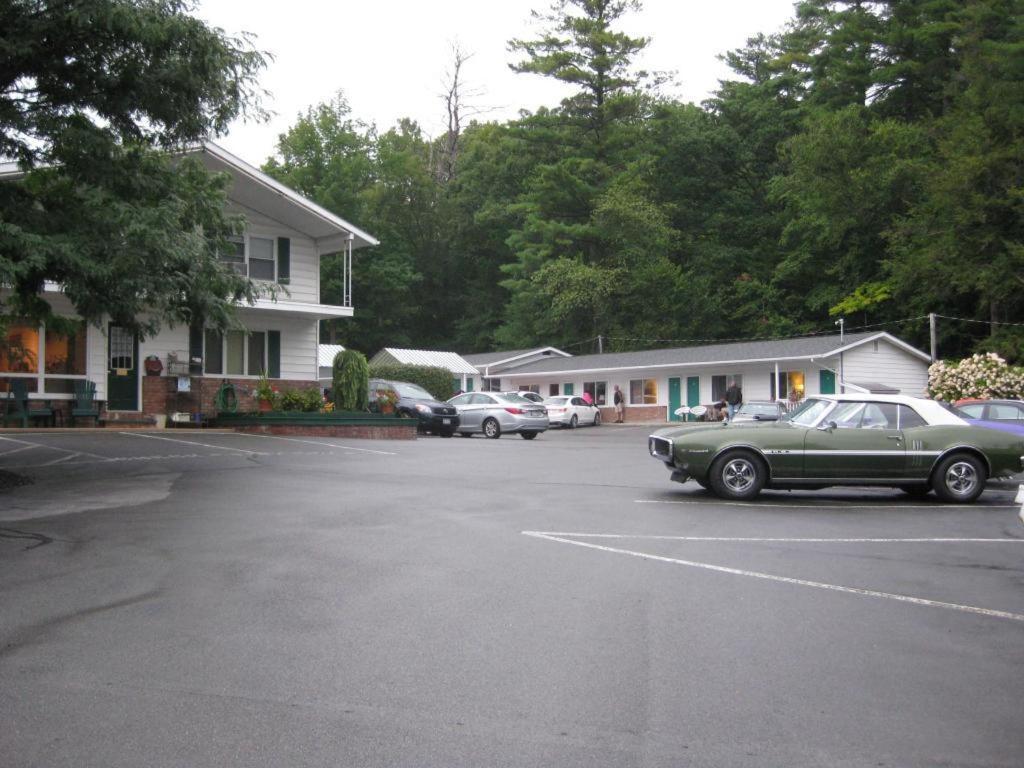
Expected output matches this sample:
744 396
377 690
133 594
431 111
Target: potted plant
153 365
386 401
265 393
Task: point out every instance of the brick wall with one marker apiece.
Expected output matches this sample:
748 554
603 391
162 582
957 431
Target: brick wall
403 429
635 413
160 395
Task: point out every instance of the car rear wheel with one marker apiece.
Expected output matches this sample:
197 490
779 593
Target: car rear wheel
737 475
492 428
466 434
573 422
959 479
527 435
597 419
447 433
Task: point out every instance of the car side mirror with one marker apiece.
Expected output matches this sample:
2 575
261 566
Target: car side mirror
828 426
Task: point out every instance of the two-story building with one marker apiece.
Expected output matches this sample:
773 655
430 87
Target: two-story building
285 237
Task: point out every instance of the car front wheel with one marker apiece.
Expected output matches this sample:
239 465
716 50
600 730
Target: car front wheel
597 419
737 475
959 479
527 435
492 428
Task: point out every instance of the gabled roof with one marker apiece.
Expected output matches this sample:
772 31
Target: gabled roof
493 359
267 196
449 360
271 198
326 352
714 354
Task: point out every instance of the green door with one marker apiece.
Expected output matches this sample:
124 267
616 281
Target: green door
567 389
826 382
674 398
469 384
122 370
692 393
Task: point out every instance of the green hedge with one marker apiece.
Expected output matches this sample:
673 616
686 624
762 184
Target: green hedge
437 381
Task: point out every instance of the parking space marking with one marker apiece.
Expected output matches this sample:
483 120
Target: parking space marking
18 450
314 442
819 505
30 444
193 443
785 579
771 539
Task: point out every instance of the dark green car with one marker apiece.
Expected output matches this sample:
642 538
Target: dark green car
881 440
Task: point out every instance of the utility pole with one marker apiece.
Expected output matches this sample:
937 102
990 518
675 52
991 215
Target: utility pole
841 322
600 344
933 335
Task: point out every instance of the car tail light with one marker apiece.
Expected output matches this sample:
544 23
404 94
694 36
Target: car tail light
516 411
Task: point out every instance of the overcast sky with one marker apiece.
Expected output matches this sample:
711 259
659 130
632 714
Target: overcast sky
390 57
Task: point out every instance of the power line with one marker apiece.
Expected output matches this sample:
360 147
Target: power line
982 322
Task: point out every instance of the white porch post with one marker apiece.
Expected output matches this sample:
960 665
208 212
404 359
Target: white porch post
778 392
347 277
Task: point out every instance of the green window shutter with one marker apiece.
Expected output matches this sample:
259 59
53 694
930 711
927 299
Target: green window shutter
284 260
567 389
274 354
195 349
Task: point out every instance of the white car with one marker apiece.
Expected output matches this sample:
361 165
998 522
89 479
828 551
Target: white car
571 411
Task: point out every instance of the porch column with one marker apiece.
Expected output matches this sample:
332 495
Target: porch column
778 392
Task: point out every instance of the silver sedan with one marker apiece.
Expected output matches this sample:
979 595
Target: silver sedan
492 413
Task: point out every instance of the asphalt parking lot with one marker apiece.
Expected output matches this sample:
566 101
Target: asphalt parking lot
186 598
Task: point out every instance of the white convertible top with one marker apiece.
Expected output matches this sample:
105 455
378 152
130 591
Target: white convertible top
931 411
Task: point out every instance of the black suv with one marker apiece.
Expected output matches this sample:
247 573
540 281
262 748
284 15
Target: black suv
413 401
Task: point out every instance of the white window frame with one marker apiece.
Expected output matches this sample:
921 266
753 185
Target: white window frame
643 391
246 241
224 374
40 375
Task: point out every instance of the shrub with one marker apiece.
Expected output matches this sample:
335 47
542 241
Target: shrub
437 381
985 376
351 381
306 400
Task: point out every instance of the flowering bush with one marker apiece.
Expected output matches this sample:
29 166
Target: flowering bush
985 376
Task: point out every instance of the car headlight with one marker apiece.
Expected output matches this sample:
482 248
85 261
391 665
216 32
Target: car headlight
423 408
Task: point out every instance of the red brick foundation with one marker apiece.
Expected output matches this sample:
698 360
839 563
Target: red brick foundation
635 413
160 394
402 430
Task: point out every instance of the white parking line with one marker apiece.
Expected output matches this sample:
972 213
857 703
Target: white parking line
314 442
194 443
29 444
786 579
770 539
818 505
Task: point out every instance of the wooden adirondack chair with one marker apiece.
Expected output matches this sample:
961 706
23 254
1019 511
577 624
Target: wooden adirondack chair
85 406
19 408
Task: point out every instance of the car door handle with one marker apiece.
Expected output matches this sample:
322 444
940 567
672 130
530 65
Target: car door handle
894 437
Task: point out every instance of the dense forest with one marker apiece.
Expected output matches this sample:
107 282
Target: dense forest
865 163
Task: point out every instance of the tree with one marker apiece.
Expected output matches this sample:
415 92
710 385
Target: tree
94 93
590 139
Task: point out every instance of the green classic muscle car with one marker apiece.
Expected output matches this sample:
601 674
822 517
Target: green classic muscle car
904 442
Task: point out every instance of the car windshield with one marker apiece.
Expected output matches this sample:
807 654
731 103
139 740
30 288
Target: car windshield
412 391
809 412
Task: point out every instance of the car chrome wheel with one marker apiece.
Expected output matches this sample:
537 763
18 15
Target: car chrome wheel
960 478
737 475
491 428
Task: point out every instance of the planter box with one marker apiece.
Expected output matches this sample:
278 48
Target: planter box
358 425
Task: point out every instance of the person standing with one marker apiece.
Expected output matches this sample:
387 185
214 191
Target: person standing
620 405
733 398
